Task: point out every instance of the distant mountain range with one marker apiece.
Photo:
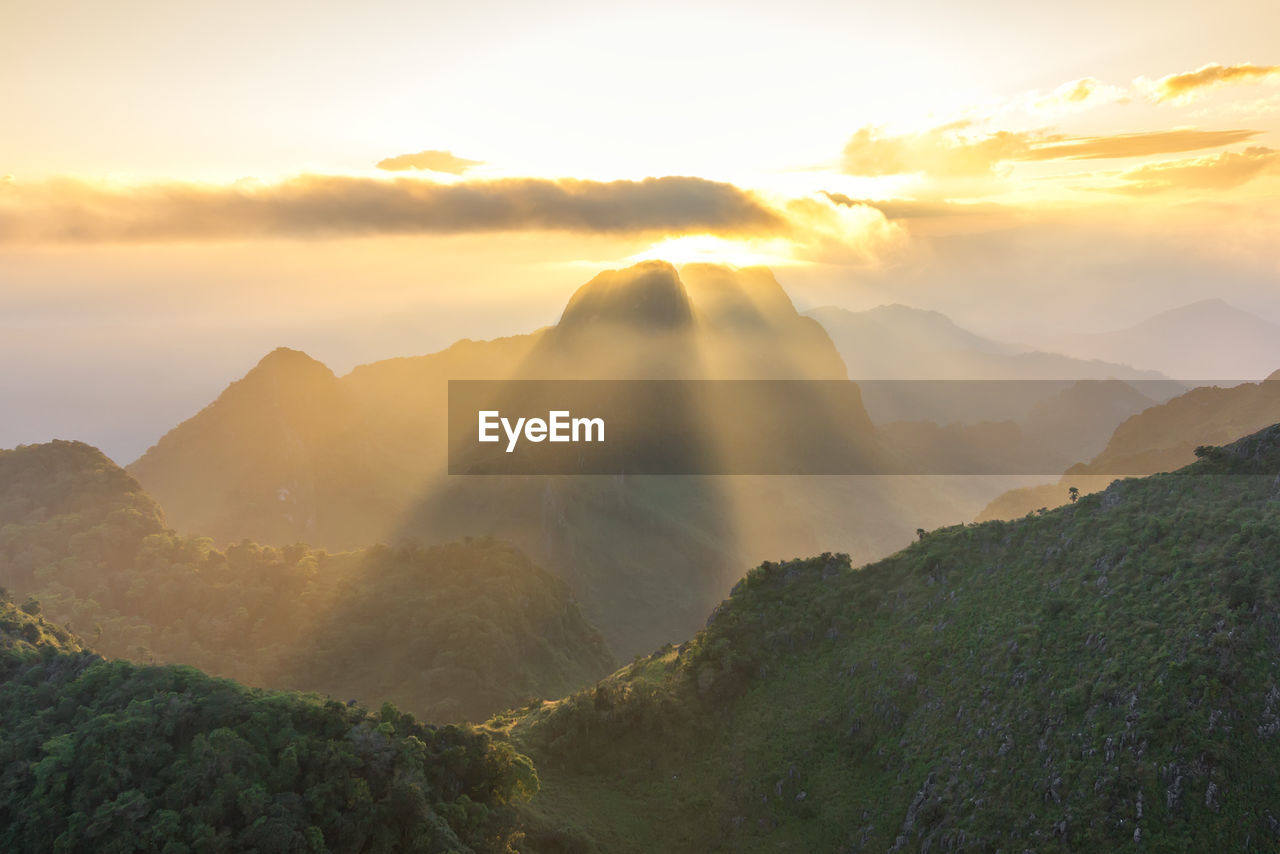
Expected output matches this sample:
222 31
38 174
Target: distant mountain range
293 453
897 342
1207 340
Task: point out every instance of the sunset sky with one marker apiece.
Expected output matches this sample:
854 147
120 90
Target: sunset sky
184 187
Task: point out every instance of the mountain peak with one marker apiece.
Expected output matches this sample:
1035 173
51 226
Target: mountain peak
37 481
736 295
1213 309
647 295
288 360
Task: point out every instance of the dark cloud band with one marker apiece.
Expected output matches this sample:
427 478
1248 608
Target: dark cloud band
318 206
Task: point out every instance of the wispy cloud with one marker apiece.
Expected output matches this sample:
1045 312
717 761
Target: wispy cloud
431 161
944 151
955 151
318 206
1189 84
1220 172
1078 95
912 209
1135 144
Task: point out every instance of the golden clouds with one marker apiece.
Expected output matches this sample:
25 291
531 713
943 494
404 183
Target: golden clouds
1189 84
950 151
329 205
1079 94
894 209
944 152
828 232
431 160
822 230
1179 88
1135 144
1221 172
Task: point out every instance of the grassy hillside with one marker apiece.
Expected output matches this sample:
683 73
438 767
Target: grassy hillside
100 756
1078 680
457 631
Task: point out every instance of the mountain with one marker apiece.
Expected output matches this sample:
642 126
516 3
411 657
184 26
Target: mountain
1159 438
645 556
754 330
648 555
456 631
901 342
705 321
1090 679
256 453
1165 437
291 452
919 366
1206 340
897 342
110 756
1094 677
1078 420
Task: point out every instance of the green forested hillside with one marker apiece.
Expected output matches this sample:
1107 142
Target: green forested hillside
102 756
456 631
1100 674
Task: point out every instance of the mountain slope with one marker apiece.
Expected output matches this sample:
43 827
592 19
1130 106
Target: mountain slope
457 631
1159 438
260 454
108 756
1082 680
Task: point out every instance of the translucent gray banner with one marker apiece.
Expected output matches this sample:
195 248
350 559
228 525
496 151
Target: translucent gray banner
797 427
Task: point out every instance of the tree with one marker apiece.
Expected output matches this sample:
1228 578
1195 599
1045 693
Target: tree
1073 494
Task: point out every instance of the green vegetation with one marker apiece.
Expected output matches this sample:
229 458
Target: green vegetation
457 631
107 756
1077 680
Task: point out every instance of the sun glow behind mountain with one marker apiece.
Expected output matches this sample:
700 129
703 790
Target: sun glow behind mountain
709 249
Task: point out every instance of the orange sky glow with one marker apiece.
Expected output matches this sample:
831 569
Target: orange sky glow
377 180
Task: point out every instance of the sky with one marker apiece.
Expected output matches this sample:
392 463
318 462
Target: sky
185 187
